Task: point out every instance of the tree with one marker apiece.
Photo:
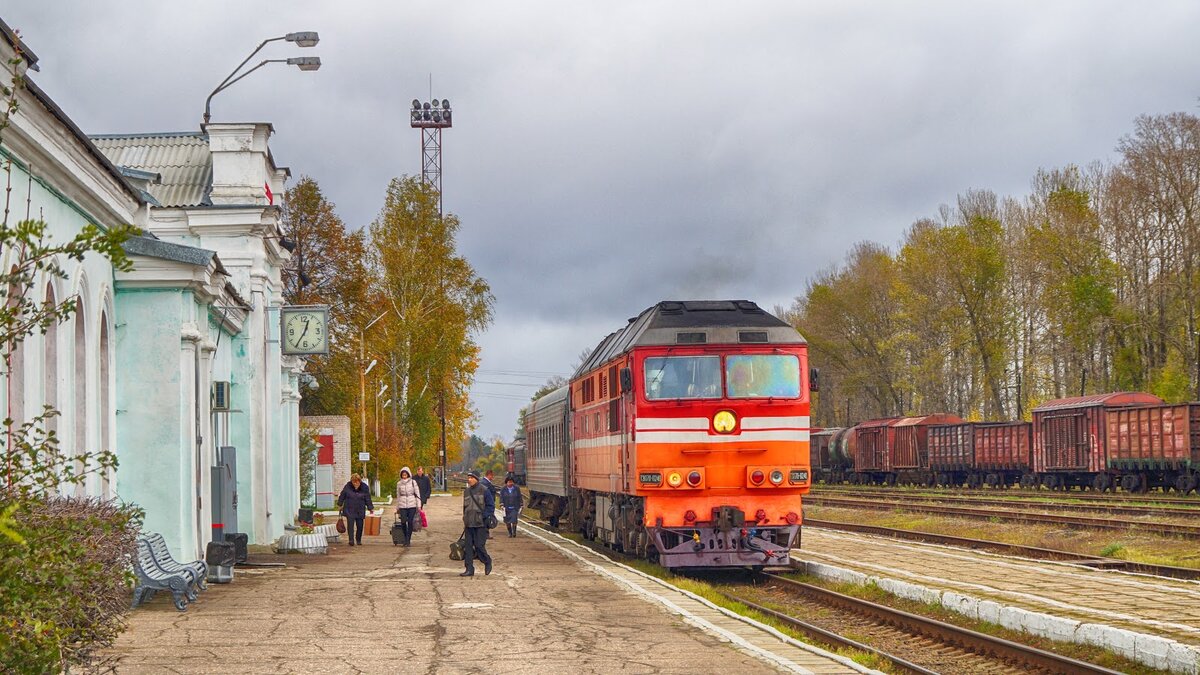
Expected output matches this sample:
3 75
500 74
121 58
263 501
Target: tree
332 260
436 305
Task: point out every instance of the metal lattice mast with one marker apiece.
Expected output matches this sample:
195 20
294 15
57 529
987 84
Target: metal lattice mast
431 117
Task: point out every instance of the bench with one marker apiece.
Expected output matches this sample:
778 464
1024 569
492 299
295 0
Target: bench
197 570
150 578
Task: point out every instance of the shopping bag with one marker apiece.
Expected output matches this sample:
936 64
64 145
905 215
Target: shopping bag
341 525
424 520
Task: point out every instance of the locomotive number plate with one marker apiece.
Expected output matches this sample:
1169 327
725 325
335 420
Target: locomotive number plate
650 478
797 476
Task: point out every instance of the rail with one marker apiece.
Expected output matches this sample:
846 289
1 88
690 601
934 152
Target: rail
1018 516
1112 507
1006 650
1097 562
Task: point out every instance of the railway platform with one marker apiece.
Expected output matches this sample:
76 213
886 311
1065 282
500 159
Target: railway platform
1153 620
546 607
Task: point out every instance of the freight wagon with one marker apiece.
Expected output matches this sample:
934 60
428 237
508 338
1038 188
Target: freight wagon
1070 439
829 454
1155 446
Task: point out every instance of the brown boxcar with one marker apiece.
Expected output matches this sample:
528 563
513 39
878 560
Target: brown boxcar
1004 453
908 449
818 450
1155 446
952 447
871 444
1069 437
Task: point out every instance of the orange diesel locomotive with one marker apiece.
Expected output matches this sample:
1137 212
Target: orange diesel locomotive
683 438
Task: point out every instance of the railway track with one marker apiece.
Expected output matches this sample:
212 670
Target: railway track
1016 493
930 646
1017 516
1096 562
1026 502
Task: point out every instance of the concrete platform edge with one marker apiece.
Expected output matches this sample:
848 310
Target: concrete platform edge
1151 650
692 619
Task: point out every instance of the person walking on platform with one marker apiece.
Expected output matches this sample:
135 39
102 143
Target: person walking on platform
408 503
487 483
355 501
424 483
512 501
478 504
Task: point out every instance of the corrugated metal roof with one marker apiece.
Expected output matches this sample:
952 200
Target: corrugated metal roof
181 158
1110 399
934 418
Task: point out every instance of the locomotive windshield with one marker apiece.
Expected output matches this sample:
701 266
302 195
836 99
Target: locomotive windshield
699 377
674 377
762 376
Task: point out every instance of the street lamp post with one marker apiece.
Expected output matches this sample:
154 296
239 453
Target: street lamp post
362 382
305 63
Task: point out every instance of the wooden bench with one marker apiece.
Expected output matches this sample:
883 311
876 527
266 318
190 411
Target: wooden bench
150 578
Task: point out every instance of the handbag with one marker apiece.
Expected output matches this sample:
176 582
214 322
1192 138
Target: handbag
457 548
341 525
416 523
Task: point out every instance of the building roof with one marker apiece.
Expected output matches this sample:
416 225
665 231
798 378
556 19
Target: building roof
165 250
691 323
1115 398
48 103
182 159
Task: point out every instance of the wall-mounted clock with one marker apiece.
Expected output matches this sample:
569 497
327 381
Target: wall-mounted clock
305 329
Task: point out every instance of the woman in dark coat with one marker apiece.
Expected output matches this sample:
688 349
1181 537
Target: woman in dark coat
512 501
478 502
355 501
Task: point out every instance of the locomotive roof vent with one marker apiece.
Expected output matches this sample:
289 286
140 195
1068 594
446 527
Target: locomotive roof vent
747 306
693 338
670 307
752 336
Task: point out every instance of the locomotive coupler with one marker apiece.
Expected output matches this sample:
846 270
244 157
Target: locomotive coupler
728 518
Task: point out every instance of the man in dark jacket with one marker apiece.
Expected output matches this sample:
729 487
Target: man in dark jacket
489 484
424 483
478 504
355 501
512 501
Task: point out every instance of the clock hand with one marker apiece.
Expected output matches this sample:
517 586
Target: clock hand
303 333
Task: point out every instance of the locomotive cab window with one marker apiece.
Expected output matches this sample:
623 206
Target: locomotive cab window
762 376
676 377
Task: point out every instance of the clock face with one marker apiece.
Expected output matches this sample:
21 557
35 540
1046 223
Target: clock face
305 331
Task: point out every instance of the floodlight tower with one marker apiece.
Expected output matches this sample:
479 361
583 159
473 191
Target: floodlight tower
431 117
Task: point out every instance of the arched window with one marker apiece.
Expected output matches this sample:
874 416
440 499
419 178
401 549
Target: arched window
79 407
105 389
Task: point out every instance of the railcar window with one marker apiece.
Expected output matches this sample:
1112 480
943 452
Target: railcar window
762 376
673 377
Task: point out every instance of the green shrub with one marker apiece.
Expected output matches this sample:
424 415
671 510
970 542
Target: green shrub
64 591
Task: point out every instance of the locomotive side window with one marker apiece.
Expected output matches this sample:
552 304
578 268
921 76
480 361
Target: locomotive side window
762 376
675 377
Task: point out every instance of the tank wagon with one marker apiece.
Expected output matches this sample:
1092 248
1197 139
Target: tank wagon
683 438
830 454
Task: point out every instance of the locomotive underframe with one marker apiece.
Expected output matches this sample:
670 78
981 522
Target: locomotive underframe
617 520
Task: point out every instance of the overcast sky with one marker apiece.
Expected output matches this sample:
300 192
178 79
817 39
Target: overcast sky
606 156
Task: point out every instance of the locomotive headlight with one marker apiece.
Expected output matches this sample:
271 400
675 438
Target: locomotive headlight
674 479
777 477
724 422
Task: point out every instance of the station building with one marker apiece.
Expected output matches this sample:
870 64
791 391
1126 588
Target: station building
175 365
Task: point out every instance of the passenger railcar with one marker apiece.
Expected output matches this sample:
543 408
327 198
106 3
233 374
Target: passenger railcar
686 438
515 454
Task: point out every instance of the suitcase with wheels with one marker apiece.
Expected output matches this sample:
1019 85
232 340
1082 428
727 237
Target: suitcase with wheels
397 534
